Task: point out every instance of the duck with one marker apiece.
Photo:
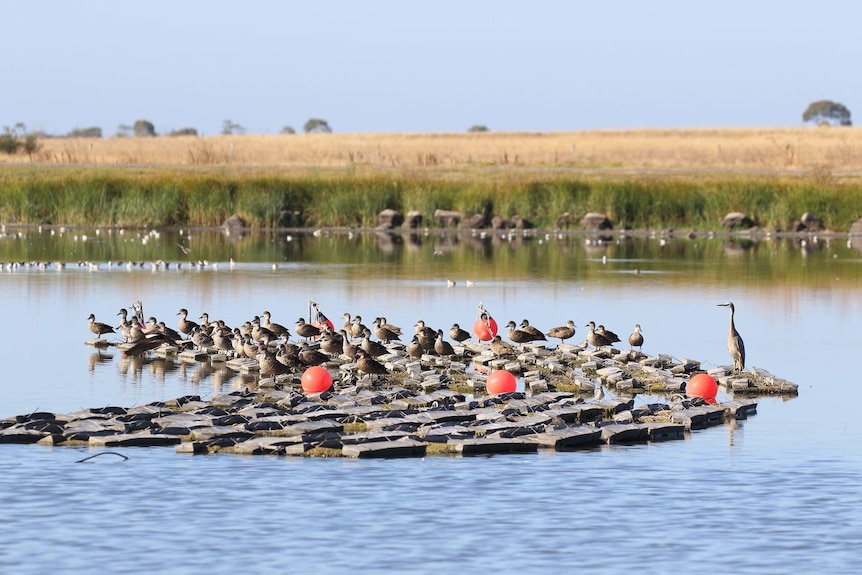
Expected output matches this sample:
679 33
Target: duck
288 354
170 332
147 343
306 330
276 328
372 348
563 332
222 339
636 339
331 342
260 333
384 332
458 334
310 356
357 328
98 327
124 324
442 347
597 340
368 365
607 334
500 347
269 364
185 325
136 331
201 339
415 349
516 335
347 348
536 333
427 335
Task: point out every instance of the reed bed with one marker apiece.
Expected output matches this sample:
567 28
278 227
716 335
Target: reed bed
642 179
166 196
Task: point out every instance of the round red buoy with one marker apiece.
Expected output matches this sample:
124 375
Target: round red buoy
316 379
485 328
322 325
702 385
500 381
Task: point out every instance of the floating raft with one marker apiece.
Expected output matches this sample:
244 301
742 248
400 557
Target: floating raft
370 423
432 406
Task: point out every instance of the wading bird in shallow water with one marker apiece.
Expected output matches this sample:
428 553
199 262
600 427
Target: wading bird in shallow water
734 342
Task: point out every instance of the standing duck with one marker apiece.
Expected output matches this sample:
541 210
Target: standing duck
98 327
185 325
636 339
563 332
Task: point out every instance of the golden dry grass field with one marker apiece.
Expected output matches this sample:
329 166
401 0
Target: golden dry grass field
804 151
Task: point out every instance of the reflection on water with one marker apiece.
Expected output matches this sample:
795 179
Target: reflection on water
789 474
474 256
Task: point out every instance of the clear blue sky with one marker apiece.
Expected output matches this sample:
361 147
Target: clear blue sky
441 66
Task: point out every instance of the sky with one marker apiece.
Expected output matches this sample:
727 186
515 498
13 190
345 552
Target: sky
442 66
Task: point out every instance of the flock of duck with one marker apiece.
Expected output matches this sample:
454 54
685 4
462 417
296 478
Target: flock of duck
318 342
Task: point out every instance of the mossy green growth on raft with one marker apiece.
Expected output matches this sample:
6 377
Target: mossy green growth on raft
167 198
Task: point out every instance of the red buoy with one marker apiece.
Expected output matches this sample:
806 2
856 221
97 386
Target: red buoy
316 379
321 325
485 328
702 385
500 381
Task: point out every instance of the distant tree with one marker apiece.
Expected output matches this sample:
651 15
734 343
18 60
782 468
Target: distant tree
229 127
31 145
143 128
478 128
288 130
9 143
16 138
123 131
184 132
91 132
316 125
827 112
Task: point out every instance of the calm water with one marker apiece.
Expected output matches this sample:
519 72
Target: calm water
774 493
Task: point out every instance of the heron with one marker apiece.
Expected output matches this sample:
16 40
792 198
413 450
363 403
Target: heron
734 342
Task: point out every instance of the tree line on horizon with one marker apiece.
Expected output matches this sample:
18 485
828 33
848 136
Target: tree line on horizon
17 138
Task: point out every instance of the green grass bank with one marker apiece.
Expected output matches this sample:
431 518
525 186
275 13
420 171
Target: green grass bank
137 197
